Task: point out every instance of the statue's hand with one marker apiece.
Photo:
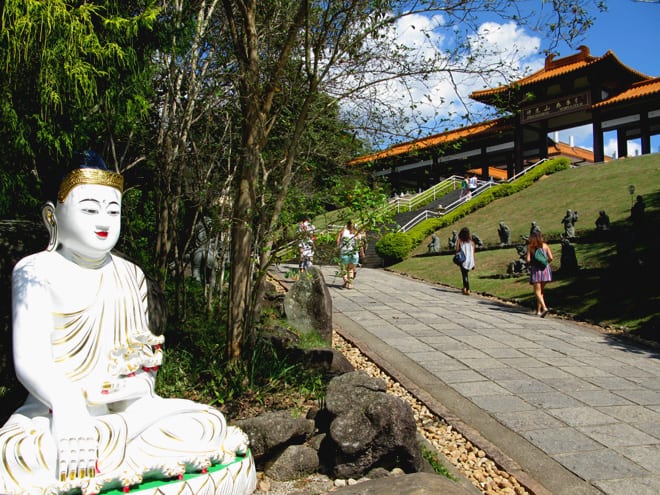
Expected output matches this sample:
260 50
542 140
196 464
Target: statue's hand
77 446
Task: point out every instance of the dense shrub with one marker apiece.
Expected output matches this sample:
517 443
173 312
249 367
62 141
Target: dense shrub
394 246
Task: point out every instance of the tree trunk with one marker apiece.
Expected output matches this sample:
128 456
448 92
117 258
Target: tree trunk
239 317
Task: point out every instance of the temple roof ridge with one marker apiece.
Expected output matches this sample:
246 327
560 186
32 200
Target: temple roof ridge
558 67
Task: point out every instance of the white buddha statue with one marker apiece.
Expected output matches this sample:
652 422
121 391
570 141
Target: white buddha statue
84 352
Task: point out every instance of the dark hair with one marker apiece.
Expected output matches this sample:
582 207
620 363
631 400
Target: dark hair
535 240
464 234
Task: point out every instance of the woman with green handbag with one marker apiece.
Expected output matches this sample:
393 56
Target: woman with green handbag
538 258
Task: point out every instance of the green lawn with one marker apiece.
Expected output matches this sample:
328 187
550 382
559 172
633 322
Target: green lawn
607 290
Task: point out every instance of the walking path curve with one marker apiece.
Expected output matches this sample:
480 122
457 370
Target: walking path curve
563 407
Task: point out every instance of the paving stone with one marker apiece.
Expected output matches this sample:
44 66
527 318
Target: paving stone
571 384
642 397
614 383
615 435
637 486
561 440
503 352
652 429
647 456
528 420
585 371
632 413
460 376
525 386
601 465
501 403
582 416
547 372
473 389
441 366
523 363
481 364
499 374
408 344
550 400
465 353
600 398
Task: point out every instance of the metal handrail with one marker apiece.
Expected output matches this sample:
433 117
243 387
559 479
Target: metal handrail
482 186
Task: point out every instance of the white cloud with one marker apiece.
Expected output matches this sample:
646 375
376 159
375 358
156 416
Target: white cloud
497 54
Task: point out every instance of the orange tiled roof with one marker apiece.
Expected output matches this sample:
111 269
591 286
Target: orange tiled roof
637 90
554 68
434 140
573 151
494 172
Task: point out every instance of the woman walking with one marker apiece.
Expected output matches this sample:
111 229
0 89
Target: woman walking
538 259
466 246
348 242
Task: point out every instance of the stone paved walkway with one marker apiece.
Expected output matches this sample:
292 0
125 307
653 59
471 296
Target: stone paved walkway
576 409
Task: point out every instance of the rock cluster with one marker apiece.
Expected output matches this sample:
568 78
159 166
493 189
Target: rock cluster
360 428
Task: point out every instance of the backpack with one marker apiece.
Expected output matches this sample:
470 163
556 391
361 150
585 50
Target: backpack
540 258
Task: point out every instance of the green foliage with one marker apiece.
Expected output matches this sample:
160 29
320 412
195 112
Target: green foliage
434 460
138 226
71 80
394 246
195 365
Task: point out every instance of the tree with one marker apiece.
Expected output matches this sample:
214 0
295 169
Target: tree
272 66
81 61
340 48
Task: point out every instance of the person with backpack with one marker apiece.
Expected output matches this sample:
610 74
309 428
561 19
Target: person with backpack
539 257
348 242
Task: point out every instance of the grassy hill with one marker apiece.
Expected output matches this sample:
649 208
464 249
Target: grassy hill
616 285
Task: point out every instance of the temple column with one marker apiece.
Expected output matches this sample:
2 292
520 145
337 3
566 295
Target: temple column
645 132
621 143
518 145
599 148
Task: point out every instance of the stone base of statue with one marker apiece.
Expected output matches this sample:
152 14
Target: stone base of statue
238 477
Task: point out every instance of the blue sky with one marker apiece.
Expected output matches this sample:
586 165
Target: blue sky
632 31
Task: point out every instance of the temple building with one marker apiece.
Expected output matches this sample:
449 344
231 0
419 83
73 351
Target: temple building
566 93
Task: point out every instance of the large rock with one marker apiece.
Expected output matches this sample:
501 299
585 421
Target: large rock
368 429
295 462
308 305
274 431
409 484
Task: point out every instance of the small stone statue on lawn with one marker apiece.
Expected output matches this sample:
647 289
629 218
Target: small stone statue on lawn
478 243
505 234
434 245
520 265
452 240
603 221
569 223
534 228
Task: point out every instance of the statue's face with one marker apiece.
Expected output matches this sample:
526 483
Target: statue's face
89 219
